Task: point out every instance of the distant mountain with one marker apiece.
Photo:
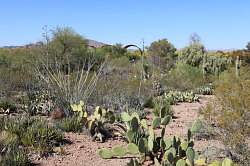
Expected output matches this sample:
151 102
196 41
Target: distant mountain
11 46
96 44
91 43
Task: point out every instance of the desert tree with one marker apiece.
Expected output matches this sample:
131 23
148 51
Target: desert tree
65 68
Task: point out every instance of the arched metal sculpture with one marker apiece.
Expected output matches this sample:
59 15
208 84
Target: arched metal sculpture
133 45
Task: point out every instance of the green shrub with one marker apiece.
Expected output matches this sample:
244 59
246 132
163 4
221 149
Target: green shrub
119 89
16 72
183 77
162 54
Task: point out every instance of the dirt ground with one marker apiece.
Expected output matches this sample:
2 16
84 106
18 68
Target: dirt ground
83 151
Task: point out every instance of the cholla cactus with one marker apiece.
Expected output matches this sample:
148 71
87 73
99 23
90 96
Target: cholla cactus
157 87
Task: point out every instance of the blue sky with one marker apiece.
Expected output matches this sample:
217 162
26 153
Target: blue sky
222 24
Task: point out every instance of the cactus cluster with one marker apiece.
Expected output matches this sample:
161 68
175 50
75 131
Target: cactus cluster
95 123
162 114
215 64
177 96
205 90
157 87
135 127
145 144
119 151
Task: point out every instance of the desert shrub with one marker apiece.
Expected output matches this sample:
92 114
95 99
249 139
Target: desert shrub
66 67
162 48
183 77
121 86
232 114
114 51
70 124
67 47
16 72
162 54
31 132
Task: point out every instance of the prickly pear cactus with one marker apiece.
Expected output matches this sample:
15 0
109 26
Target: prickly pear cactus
177 96
144 143
95 122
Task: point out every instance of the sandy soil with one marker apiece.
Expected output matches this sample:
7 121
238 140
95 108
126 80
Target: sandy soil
83 151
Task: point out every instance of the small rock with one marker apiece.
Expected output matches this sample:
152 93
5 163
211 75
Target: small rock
81 146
